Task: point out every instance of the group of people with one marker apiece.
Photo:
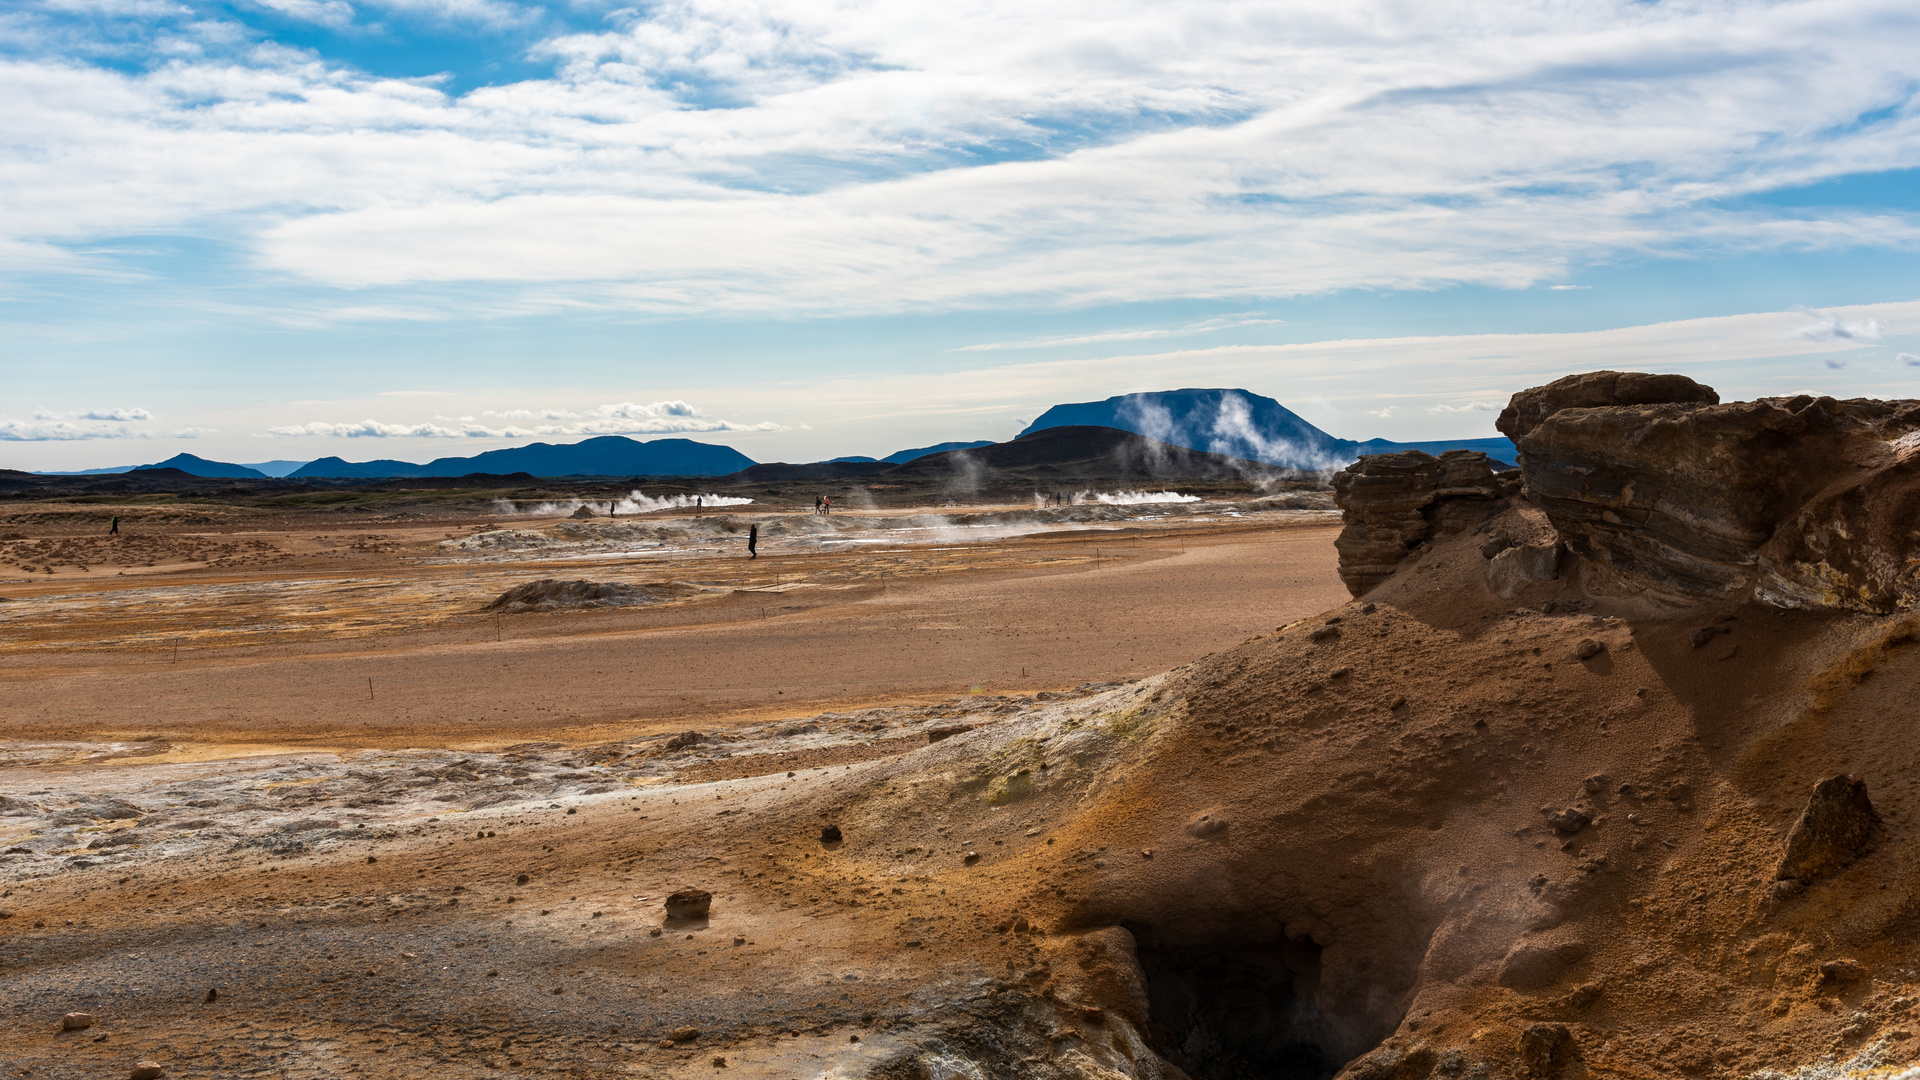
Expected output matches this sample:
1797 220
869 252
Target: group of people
822 504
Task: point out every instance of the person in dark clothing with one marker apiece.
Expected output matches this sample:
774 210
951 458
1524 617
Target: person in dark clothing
113 529
816 504
753 541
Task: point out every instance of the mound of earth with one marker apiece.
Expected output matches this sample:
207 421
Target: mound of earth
550 594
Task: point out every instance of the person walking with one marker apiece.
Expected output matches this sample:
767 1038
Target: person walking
113 528
698 504
826 504
753 541
816 504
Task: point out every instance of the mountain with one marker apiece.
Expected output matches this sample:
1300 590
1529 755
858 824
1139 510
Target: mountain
336 468
606 455
1239 424
903 456
816 470
199 466
275 468
1079 454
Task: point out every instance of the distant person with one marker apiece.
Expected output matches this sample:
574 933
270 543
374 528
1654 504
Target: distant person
113 528
609 507
826 505
753 541
698 503
816 504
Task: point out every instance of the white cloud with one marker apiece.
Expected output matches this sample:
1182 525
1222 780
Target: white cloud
1835 365
625 418
1468 407
1384 414
41 429
1831 328
844 155
1908 359
114 414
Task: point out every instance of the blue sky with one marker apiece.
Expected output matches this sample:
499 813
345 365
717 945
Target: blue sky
272 229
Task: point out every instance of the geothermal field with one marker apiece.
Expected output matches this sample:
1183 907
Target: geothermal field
1600 766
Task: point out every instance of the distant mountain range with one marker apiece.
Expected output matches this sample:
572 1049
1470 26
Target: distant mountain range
1235 424
1240 424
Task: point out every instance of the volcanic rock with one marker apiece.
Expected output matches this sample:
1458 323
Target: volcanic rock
550 594
76 1021
1546 1049
689 904
1837 827
147 1070
1391 502
1797 501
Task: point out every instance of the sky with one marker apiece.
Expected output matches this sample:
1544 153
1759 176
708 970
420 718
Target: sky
283 229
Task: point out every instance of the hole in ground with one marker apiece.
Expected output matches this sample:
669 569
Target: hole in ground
1235 1010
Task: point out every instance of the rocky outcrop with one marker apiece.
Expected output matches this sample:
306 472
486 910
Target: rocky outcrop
1798 501
1391 503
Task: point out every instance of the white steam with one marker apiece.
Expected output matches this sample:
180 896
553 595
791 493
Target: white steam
636 502
1132 498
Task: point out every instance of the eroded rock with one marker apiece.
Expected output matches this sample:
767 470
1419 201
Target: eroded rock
1390 503
1797 501
1837 827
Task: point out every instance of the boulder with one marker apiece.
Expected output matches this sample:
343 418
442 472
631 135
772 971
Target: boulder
1837 827
1389 503
1797 501
1546 1050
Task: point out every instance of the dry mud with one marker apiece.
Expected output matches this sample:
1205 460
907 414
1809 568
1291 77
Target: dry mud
1436 833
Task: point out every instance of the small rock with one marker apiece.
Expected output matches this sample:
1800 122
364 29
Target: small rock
213 994
689 904
738 941
573 809
523 879
935 735
1837 826
1093 1014
1679 791
685 739
1545 1049
1324 633
830 834
1570 820
1594 783
971 858
147 1070
1494 546
719 1063
655 932
76 1021
683 1034
1705 634
1843 971
1207 825
1589 649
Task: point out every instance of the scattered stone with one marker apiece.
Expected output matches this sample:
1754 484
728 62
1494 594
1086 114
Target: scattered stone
738 941
655 932
689 904
1679 791
1837 827
971 858
1369 608
937 734
1546 1049
683 1034
1207 826
1581 996
1843 971
830 834
1589 649
1594 783
719 1062
1324 633
76 1021
1570 820
523 879
147 1070
686 739
213 994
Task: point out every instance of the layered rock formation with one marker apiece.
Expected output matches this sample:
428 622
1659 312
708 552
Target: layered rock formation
1392 503
1799 501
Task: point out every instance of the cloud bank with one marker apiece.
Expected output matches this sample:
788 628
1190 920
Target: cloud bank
845 156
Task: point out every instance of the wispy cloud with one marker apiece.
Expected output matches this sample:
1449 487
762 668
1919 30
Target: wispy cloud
625 418
1205 327
726 155
1907 359
1467 407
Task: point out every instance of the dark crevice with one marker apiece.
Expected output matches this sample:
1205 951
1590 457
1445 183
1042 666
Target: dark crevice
1233 1009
